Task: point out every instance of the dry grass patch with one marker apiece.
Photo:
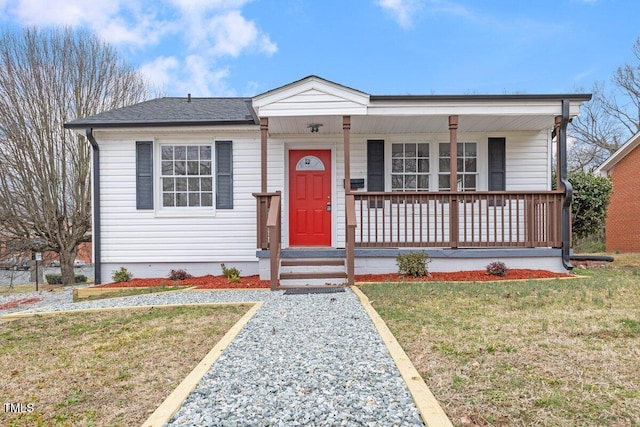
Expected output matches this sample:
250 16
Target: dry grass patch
546 353
20 289
103 369
626 261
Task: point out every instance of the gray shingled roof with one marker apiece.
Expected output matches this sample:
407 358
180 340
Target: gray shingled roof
174 112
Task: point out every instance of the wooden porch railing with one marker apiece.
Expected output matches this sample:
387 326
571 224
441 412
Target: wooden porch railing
269 230
457 219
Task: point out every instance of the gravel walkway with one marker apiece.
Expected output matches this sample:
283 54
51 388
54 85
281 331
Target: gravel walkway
45 299
310 359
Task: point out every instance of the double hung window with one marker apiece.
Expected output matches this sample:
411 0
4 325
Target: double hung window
467 162
410 166
190 175
186 176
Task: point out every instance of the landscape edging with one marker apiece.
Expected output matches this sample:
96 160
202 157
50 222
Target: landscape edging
430 410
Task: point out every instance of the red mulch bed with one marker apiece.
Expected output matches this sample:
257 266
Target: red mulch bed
202 282
254 282
17 302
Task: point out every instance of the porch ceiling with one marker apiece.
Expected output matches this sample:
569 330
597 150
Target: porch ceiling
332 125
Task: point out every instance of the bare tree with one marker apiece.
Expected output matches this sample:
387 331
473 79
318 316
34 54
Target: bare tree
595 133
47 78
609 119
624 104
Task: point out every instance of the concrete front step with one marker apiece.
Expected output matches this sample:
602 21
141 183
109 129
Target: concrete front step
311 261
312 283
312 271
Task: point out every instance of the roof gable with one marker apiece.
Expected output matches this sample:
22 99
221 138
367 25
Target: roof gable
620 154
311 96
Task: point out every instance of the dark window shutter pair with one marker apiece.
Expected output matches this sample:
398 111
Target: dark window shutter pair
144 175
497 164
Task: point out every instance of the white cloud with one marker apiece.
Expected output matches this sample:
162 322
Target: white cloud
401 10
404 11
204 79
59 12
115 21
207 32
161 70
220 28
231 33
194 74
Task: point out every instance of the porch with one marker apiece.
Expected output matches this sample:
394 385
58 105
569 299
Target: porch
451 225
417 186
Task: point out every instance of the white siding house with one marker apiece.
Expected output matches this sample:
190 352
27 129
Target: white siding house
193 182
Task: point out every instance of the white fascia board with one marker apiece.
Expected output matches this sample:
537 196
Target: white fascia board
522 108
341 111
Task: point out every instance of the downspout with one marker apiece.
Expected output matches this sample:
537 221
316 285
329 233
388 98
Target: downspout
568 188
96 206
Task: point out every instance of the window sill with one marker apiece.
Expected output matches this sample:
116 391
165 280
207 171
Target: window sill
185 213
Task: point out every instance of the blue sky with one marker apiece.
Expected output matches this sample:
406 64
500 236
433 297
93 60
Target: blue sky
246 47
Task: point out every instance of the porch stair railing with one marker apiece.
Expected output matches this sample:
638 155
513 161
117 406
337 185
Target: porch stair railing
269 230
297 267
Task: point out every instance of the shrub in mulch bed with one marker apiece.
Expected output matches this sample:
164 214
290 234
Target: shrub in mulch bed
201 282
254 282
17 302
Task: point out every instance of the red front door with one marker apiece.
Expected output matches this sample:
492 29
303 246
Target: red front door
310 197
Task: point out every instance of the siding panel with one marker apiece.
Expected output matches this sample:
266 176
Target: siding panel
130 235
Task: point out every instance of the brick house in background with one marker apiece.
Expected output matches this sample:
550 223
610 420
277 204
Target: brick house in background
622 224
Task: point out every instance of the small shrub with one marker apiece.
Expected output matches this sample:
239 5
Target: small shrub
233 274
497 268
122 275
413 264
53 279
179 275
56 279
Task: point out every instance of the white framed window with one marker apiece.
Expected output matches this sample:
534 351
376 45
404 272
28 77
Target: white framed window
410 166
186 175
467 162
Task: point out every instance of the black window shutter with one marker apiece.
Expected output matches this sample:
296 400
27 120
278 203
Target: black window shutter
144 175
497 164
224 175
375 165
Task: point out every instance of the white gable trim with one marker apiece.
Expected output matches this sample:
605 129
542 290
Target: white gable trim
311 96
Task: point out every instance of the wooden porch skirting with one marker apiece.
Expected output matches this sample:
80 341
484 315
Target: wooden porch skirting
383 260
